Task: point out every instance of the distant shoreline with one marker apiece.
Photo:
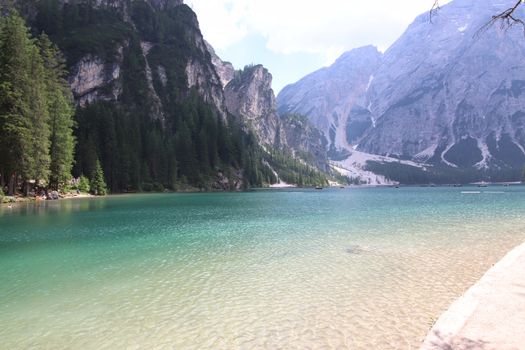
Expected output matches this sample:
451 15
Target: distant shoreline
23 200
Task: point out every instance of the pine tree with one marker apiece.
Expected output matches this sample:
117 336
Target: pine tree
17 66
98 185
37 166
83 184
59 101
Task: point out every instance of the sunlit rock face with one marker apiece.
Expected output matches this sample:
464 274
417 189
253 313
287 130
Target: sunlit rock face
249 96
91 75
225 70
443 93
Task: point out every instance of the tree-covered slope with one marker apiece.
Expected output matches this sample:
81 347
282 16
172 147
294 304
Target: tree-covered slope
149 102
150 106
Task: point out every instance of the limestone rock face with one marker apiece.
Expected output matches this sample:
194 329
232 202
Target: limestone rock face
202 74
443 93
95 77
249 97
90 76
225 70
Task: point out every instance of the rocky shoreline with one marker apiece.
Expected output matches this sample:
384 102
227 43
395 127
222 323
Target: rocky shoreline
10 200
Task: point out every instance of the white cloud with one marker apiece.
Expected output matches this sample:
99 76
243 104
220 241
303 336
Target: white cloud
296 26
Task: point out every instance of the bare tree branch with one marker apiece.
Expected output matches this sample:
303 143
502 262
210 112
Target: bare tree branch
507 18
435 8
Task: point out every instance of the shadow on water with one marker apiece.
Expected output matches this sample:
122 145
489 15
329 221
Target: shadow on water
443 342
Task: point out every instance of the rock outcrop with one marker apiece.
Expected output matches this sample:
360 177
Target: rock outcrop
249 97
225 70
201 72
90 75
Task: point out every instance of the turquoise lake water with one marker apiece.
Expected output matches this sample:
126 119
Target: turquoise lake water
360 268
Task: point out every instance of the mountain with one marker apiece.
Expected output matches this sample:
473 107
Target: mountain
445 95
225 70
150 104
251 99
157 107
249 96
330 95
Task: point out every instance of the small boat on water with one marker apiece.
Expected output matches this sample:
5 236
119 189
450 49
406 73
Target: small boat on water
483 184
318 188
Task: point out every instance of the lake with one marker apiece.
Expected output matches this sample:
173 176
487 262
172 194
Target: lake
360 268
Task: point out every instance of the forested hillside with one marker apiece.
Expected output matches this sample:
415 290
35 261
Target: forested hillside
148 104
185 140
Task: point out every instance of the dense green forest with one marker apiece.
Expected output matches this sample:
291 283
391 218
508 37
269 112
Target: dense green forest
410 175
295 170
36 113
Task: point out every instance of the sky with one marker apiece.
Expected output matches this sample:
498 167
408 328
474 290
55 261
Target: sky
293 38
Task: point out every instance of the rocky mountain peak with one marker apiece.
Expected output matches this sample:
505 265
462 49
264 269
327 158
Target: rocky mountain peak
249 96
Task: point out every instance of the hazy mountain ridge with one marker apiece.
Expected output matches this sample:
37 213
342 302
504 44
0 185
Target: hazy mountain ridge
329 95
460 89
443 94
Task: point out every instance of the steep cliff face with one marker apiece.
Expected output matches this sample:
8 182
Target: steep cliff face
96 64
89 76
334 98
443 94
454 98
249 96
202 75
225 70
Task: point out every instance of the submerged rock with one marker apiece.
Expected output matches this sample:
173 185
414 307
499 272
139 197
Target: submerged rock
357 249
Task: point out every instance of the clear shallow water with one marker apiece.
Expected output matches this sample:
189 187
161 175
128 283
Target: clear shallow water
356 268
